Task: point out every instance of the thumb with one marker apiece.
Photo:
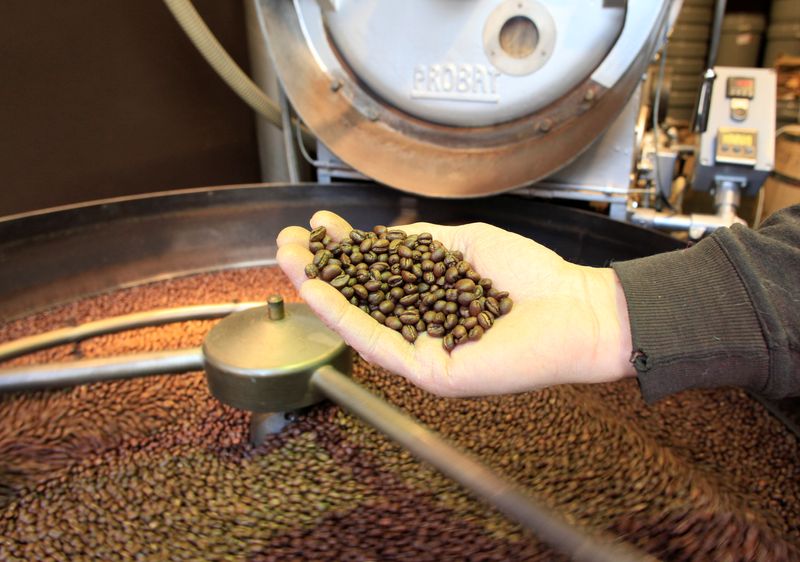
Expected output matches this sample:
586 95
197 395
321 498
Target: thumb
373 341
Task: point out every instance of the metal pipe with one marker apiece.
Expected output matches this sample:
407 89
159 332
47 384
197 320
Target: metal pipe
57 375
118 324
288 139
716 32
469 472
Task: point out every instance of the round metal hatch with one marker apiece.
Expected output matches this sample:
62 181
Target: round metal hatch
260 361
412 149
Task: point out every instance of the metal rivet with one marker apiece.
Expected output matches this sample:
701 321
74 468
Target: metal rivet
276 310
545 125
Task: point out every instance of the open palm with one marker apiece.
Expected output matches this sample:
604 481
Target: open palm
565 326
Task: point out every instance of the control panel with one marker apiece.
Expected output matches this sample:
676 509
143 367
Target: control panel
740 90
736 146
739 140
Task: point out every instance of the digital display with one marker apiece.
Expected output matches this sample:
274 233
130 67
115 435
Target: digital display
737 139
741 87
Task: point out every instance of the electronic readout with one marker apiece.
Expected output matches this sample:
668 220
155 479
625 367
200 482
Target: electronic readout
741 87
736 146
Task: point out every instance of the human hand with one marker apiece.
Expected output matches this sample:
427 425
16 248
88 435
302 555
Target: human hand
569 323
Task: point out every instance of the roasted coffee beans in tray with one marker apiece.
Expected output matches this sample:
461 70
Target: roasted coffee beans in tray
409 283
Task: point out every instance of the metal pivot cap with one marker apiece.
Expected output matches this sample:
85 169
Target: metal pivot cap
262 359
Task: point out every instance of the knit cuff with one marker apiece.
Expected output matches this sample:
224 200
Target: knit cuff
693 324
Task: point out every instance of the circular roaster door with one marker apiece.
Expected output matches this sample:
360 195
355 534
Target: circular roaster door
460 99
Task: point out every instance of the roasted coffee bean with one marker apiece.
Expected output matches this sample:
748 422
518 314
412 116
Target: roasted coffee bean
451 275
475 333
341 281
465 285
386 306
505 305
417 280
330 272
492 306
459 332
357 236
465 298
425 238
312 271
393 322
315 247
395 235
410 300
475 308
124 470
377 298
378 315
360 291
366 245
321 258
436 330
485 319
379 229
409 317
404 251
409 333
317 234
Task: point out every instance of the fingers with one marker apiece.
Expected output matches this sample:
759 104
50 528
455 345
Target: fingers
293 259
444 234
375 342
336 227
293 235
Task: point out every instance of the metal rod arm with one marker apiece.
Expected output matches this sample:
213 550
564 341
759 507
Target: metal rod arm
118 324
469 472
57 375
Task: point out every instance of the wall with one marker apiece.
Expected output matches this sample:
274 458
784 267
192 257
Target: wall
103 98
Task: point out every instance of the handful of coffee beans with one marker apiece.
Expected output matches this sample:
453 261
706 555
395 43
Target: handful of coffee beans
409 283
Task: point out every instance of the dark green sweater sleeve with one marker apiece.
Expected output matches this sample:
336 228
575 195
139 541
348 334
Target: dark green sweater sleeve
725 312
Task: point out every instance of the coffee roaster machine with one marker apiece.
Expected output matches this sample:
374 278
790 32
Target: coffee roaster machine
446 103
539 99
